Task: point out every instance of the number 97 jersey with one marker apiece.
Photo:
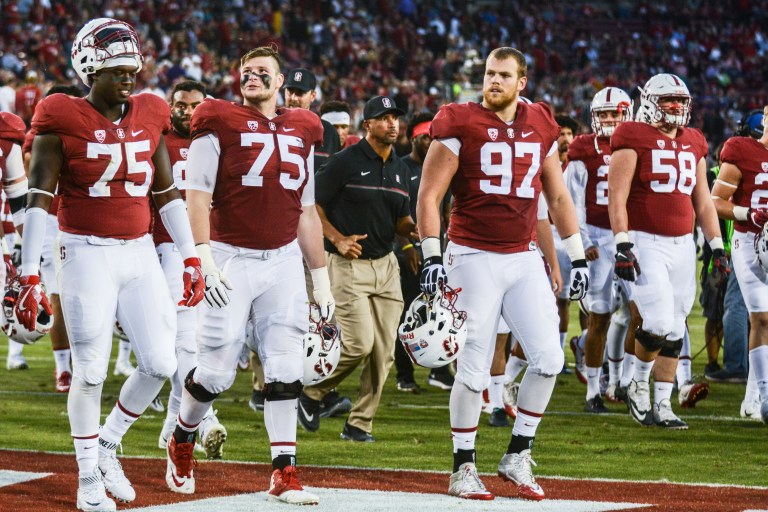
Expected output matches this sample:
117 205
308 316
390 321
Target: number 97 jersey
659 200
107 169
498 181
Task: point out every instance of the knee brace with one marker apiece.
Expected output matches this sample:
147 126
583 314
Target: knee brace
649 341
276 391
197 390
671 348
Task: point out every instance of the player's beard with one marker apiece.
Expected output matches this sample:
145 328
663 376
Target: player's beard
500 101
259 96
180 126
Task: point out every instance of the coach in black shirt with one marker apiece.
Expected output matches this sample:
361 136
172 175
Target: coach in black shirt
361 195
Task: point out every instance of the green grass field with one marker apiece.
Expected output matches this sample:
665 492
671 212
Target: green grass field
413 432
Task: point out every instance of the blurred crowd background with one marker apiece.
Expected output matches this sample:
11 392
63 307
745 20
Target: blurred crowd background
422 52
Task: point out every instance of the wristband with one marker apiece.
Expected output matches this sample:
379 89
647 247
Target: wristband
621 238
574 247
406 247
740 213
206 257
430 247
716 243
320 278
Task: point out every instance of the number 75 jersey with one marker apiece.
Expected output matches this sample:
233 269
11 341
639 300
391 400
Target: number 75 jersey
659 199
107 169
498 181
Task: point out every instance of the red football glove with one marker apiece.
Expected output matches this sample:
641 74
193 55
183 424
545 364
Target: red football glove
758 217
194 283
31 297
10 269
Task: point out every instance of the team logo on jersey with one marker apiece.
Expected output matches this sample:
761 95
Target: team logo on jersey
253 125
764 166
297 76
660 143
493 133
674 144
386 103
120 133
607 159
100 135
272 126
397 178
511 133
184 152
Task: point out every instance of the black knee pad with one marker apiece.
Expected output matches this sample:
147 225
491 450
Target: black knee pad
276 391
671 348
649 341
197 390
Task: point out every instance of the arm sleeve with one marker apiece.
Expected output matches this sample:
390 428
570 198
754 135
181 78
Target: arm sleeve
32 242
576 181
175 220
453 144
203 163
308 194
542 212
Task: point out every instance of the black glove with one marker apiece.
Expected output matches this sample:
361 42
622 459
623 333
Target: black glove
626 263
579 280
720 268
433 275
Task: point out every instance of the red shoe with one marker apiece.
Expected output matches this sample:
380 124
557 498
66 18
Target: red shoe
285 486
179 475
691 392
63 382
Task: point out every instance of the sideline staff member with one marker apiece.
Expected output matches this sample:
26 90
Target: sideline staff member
362 197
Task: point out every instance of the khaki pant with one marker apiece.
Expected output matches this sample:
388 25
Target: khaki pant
368 306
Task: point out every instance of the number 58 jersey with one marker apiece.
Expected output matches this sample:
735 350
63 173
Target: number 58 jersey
659 200
264 166
107 169
498 181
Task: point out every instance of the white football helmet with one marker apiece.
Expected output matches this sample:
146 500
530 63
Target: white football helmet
13 328
610 99
434 331
105 43
761 248
322 349
659 86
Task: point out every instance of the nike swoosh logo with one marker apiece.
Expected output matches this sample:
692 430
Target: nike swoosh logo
414 178
310 417
365 173
88 447
288 129
93 504
526 134
178 484
686 146
21 307
136 133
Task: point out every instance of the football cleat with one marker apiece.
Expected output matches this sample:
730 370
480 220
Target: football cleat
639 402
124 368
179 471
516 468
408 386
691 392
213 435
256 403
578 355
157 404
309 413
764 411
91 495
509 397
16 362
441 380
112 473
466 483
498 418
664 417
486 408
334 405
595 405
750 409
615 394
284 486
63 382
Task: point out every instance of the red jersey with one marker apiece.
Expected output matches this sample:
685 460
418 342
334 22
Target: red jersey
582 149
11 132
107 170
27 149
263 169
497 185
751 158
178 147
660 196
27 98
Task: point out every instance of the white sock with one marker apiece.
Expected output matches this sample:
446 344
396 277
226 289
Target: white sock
86 454
61 358
683 371
582 339
135 396
662 391
593 381
526 424
464 406
515 365
534 394
758 359
643 370
563 335
124 351
614 348
191 412
496 391
280 419
14 348
752 393
628 369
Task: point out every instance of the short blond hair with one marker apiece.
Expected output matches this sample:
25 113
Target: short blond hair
262 51
505 52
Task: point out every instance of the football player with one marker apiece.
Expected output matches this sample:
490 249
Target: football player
250 194
656 183
14 183
587 179
741 194
498 156
185 97
107 154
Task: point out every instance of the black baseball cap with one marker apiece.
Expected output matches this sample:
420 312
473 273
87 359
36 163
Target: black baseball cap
302 79
380 105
